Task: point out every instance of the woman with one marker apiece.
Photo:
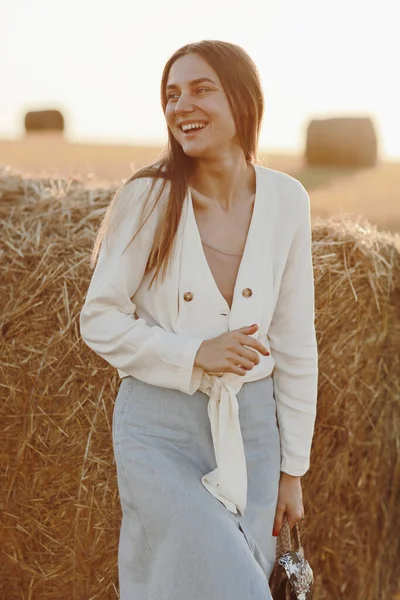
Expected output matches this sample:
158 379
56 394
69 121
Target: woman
203 299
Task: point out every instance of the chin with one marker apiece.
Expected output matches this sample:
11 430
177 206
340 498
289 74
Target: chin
196 152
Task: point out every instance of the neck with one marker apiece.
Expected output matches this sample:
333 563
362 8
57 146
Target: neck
226 180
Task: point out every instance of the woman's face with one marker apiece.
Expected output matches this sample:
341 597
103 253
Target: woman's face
198 112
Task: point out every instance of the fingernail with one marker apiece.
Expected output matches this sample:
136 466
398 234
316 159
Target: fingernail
275 533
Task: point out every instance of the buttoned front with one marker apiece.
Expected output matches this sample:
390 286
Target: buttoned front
274 288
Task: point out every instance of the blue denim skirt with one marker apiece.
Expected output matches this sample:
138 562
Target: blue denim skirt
177 541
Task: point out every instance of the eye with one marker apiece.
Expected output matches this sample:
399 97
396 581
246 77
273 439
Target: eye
203 89
172 95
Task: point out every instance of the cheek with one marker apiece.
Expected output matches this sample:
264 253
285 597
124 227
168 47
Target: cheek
229 119
228 124
231 126
225 119
169 115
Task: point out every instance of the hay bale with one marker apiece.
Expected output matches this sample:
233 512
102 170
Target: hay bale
44 121
350 141
61 514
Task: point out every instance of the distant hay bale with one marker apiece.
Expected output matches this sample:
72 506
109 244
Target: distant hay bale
44 121
60 508
350 141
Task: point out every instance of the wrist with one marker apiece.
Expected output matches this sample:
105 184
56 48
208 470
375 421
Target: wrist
287 476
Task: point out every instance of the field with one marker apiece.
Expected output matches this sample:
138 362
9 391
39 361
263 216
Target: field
371 192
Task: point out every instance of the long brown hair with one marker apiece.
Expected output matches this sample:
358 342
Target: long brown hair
241 82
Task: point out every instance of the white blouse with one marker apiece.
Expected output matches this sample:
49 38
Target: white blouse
154 335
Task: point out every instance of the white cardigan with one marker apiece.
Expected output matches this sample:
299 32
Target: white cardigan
154 335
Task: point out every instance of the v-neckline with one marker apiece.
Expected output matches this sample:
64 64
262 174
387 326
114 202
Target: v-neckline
246 246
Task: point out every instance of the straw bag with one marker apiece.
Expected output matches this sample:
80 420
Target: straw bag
292 577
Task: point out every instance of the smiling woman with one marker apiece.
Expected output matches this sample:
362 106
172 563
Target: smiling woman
197 112
229 324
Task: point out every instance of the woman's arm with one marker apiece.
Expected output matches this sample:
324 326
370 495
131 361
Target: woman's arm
293 345
107 320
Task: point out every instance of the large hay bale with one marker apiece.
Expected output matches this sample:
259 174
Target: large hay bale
347 141
61 515
44 121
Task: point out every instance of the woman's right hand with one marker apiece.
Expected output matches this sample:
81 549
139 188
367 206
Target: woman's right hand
231 352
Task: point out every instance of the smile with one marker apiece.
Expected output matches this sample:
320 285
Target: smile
192 127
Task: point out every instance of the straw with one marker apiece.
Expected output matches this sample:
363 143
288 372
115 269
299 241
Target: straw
60 508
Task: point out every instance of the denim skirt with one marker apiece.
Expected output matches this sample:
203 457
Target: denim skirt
176 540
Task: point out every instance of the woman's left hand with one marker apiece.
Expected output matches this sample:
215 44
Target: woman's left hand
290 501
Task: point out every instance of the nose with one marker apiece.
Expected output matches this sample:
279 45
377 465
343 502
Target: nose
183 105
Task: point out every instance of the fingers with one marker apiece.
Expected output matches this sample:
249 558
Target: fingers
253 328
293 517
249 355
244 357
237 369
280 511
241 358
237 358
248 340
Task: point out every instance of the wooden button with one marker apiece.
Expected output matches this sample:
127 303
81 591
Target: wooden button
188 296
247 292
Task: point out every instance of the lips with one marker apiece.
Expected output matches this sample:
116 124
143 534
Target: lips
188 127
193 132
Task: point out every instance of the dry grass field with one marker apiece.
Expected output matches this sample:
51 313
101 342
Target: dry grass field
372 192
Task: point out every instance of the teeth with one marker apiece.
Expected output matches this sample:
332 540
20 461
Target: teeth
193 126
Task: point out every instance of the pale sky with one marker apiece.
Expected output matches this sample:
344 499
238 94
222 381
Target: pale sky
100 63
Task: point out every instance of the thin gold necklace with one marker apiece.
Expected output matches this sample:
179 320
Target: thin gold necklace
220 251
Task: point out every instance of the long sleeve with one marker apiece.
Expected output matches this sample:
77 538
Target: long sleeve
107 320
294 347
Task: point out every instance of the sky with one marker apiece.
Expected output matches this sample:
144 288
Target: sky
100 63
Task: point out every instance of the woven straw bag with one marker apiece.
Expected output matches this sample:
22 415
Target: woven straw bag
292 577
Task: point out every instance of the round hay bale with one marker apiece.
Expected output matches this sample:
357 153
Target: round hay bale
60 507
44 121
350 141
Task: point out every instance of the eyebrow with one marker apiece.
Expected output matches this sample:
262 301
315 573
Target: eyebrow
193 82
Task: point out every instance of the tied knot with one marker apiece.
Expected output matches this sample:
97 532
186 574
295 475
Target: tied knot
211 385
